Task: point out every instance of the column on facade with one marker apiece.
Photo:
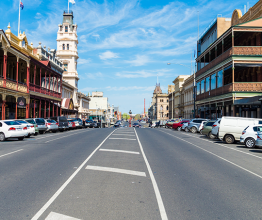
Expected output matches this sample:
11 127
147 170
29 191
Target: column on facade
57 109
40 107
45 110
15 107
49 111
4 67
49 81
34 76
45 81
27 107
53 109
53 84
17 68
57 84
34 107
27 76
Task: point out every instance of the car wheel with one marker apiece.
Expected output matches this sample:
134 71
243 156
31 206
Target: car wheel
2 136
36 133
201 131
179 128
229 139
210 135
193 130
28 136
21 138
250 143
41 132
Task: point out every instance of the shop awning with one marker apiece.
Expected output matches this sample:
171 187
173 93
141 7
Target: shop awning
249 101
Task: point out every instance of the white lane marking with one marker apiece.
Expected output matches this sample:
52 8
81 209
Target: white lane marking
217 156
57 216
52 199
123 139
161 206
222 145
116 170
10 153
61 137
120 151
125 134
46 136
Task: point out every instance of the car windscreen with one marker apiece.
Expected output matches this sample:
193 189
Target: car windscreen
40 121
11 123
31 121
209 123
51 121
22 122
62 119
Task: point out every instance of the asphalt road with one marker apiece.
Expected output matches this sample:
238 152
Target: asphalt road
128 173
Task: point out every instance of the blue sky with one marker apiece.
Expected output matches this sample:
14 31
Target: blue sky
123 44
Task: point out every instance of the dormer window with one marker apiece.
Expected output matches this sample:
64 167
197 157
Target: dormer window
66 28
63 46
67 46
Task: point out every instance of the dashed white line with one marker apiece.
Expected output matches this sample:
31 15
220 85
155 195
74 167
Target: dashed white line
52 199
123 139
161 206
116 170
120 151
11 153
125 134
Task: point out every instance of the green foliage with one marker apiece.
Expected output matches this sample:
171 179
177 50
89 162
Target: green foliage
125 116
137 117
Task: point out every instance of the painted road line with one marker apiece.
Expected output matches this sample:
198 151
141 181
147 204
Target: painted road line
160 203
11 153
46 136
222 158
116 170
125 134
61 137
120 151
52 199
57 216
123 139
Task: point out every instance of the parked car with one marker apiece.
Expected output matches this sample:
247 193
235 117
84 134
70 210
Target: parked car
52 125
249 135
215 127
40 124
231 128
170 122
258 142
89 123
207 129
194 124
178 125
184 127
32 121
62 122
136 125
30 127
12 129
80 122
71 124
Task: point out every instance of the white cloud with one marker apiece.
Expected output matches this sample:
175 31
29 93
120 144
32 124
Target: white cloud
83 61
140 60
38 15
144 73
108 55
97 75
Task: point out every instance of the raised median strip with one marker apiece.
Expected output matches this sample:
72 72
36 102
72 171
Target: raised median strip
116 170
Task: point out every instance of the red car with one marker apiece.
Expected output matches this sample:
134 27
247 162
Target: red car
179 125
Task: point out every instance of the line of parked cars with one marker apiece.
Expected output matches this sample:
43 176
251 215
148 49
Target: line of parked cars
21 128
247 131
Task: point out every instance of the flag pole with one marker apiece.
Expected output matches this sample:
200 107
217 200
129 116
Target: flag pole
19 18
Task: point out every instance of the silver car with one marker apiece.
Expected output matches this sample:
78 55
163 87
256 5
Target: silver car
40 124
194 125
52 125
259 139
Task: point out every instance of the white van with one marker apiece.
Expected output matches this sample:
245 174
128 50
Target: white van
231 128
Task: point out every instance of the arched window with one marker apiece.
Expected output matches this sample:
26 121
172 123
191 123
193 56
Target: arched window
63 46
167 108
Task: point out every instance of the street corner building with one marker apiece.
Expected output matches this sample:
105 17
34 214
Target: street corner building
229 66
30 78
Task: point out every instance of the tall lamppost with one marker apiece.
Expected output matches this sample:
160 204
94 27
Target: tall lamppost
130 113
194 85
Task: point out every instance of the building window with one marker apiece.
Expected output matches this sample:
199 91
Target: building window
65 67
67 46
202 86
63 46
66 28
220 79
213 81
198 88
207 84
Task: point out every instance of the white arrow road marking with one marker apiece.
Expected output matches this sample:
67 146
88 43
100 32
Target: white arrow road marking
116 170
120 151
124 139
57 216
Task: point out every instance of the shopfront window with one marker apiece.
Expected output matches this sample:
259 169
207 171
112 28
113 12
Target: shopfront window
198 88
213 81
202 86
207 84
220 79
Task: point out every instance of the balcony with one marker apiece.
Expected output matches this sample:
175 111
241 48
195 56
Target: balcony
13 85
37 88
240 51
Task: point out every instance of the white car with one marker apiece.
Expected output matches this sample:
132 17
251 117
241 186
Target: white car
12 129
30 127
249 135
215 127
184 127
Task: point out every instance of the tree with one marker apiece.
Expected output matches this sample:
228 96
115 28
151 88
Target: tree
137 117
125 116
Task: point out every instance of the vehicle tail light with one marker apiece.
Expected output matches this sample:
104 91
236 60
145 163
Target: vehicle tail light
32 126
48 123
37 126
25 128
259 138
11 129
243 132
56 123
214 126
